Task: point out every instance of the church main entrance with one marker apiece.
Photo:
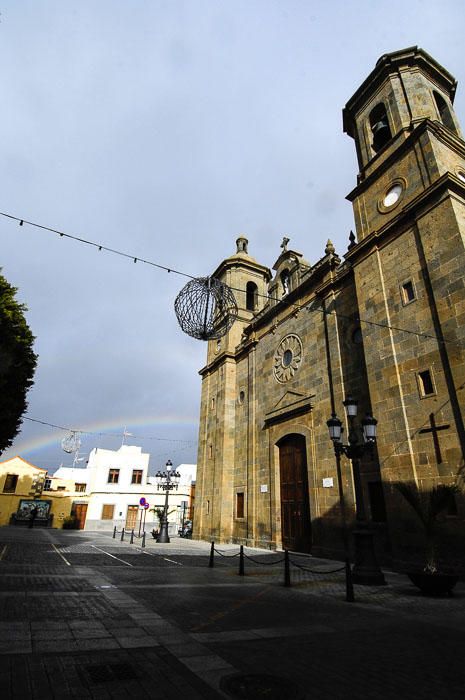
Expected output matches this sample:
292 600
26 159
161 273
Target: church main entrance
295 506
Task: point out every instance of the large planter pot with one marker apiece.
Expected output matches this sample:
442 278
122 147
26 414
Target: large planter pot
433 584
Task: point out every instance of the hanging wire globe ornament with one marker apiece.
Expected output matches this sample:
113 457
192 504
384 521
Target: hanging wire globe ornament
205 308
71 442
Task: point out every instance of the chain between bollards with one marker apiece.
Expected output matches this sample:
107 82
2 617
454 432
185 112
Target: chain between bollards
349 584
287 569
241 561
122 534
212 554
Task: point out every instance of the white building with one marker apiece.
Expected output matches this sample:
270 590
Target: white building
116 480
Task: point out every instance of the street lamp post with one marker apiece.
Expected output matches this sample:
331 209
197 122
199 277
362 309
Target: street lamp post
366 569
167 480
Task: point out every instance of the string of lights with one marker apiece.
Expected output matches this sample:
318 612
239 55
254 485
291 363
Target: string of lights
119 435
297 307
99 246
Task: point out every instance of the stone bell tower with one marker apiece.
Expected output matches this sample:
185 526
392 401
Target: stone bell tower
248 280
408 263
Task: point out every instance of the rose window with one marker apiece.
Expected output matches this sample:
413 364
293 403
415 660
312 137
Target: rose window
287 358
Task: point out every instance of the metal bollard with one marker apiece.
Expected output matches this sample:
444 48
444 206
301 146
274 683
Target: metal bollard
114 532
349 584
132 537
212 553
287 570
122 534
143 540
241 561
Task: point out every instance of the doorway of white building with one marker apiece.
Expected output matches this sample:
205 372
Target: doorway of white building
131 517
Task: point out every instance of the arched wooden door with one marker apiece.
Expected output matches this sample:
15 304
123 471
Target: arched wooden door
295 506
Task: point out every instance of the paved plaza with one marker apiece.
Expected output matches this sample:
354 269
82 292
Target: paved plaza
84 615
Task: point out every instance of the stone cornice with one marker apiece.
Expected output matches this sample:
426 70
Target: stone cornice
296 408
407 215
393 63
221 359
441 132
312 279
244 261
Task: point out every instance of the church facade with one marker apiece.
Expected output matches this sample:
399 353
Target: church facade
384 324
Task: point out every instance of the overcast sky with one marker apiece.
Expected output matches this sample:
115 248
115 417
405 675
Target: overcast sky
165 130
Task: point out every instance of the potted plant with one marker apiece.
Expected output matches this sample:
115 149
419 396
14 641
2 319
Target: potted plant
432 579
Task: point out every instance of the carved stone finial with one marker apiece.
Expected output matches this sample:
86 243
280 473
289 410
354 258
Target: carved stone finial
284 243
242 244
352 240
330 249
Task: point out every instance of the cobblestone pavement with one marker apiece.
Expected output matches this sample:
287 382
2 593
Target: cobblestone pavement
85 615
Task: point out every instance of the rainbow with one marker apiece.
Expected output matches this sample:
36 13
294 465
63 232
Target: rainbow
147 426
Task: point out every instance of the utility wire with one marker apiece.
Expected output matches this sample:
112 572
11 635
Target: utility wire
297 307
99 246
89 432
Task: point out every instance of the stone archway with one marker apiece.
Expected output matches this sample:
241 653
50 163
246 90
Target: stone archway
295 504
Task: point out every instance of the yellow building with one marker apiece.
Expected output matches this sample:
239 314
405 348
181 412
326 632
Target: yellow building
23 486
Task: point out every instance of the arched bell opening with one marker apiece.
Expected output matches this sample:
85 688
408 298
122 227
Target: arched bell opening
445 114
251 296
379 125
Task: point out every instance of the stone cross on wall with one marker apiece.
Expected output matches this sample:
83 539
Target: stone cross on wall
284 243
434 431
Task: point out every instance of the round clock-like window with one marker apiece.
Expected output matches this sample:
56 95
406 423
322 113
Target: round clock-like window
287 358
392 195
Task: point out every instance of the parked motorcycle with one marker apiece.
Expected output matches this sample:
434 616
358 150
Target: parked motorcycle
186 530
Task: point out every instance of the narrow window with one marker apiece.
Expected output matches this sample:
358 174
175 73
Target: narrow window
239 505
444 111
207 505
136 476
408 292
10 483
48 485
61 488
379 127
210 451
80 488
251 296
425 383
113 476
212 404
377 504
107 512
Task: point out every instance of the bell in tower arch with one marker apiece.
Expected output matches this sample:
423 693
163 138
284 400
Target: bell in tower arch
379 127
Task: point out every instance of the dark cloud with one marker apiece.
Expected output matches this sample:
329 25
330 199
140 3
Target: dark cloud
165 129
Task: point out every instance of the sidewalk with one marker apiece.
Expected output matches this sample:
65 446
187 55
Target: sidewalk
85 615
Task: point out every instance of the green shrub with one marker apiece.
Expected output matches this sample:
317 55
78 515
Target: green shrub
70 523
